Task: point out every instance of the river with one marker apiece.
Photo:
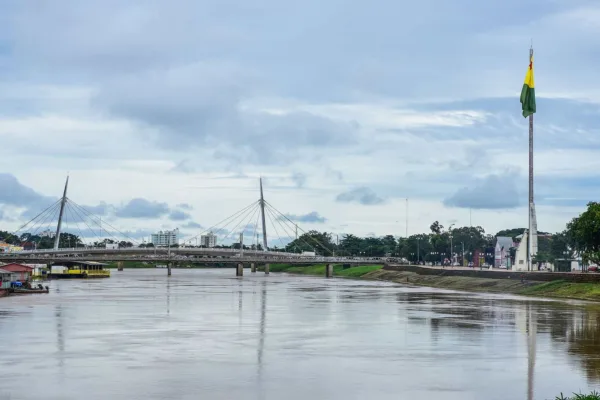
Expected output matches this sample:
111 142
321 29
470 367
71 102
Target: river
205 334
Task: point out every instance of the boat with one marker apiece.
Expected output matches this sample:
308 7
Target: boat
79 270
39 290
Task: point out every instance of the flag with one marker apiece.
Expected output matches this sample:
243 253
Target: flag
528 92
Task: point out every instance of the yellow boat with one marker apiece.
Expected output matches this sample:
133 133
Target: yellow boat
79 270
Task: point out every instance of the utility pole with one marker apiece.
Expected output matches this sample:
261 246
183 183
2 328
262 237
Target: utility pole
451 252
406 212
262 209
60 216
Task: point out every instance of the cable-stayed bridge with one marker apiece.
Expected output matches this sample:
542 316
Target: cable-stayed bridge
45 240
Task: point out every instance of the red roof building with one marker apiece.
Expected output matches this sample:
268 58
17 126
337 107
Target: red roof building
24 272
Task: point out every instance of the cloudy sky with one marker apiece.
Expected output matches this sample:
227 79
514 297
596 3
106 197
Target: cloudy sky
164 114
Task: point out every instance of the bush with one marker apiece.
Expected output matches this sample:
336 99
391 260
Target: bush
592 396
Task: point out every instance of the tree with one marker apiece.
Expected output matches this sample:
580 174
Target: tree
584 232
511 233
390 244
319 242
436 228
350 245
560 246
9 238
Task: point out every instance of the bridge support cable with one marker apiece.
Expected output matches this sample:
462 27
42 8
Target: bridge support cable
38 217
234 215
285 218
71 212
271 218
46 221
86 215
287 232
252 212
96 220
254 235
224 232
234 230
82 218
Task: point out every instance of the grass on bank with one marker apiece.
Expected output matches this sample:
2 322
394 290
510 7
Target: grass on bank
338 270
132 264
589 291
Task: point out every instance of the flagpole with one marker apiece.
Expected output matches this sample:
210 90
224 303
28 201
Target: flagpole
530 230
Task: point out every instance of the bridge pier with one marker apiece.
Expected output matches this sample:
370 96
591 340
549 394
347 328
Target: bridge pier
252 267
267 266
239 271
329 271
168 269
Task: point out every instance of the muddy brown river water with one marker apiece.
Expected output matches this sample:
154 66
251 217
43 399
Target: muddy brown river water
205 334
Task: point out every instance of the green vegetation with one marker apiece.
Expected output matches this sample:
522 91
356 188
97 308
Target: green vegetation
584 233
338 270
555 289
562 289
592 396
356 272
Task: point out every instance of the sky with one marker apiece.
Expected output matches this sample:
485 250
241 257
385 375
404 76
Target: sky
165 114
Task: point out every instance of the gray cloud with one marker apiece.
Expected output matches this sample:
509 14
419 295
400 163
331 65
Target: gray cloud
13 193
142 208
99 210
299 179
312 217
492 192
192 225
185 206
362 195
200 105
178 215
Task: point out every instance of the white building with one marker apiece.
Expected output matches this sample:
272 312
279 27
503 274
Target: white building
48 233
502 252
209 240
166 238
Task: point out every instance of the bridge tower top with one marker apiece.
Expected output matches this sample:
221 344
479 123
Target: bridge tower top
262 212
60 215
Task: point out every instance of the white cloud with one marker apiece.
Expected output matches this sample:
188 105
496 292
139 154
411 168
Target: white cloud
164 102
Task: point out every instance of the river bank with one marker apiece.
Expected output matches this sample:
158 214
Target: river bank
556 289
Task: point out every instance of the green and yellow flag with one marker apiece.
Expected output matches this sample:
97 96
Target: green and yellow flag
528 92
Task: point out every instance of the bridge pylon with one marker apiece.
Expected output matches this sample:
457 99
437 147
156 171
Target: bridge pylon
262 212
60 215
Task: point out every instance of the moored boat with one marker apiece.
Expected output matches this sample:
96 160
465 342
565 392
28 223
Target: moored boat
79 270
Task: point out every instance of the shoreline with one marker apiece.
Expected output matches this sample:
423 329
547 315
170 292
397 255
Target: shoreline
554 287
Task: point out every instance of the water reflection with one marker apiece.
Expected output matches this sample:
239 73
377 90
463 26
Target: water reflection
60 337
583 339
327 339
531 349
